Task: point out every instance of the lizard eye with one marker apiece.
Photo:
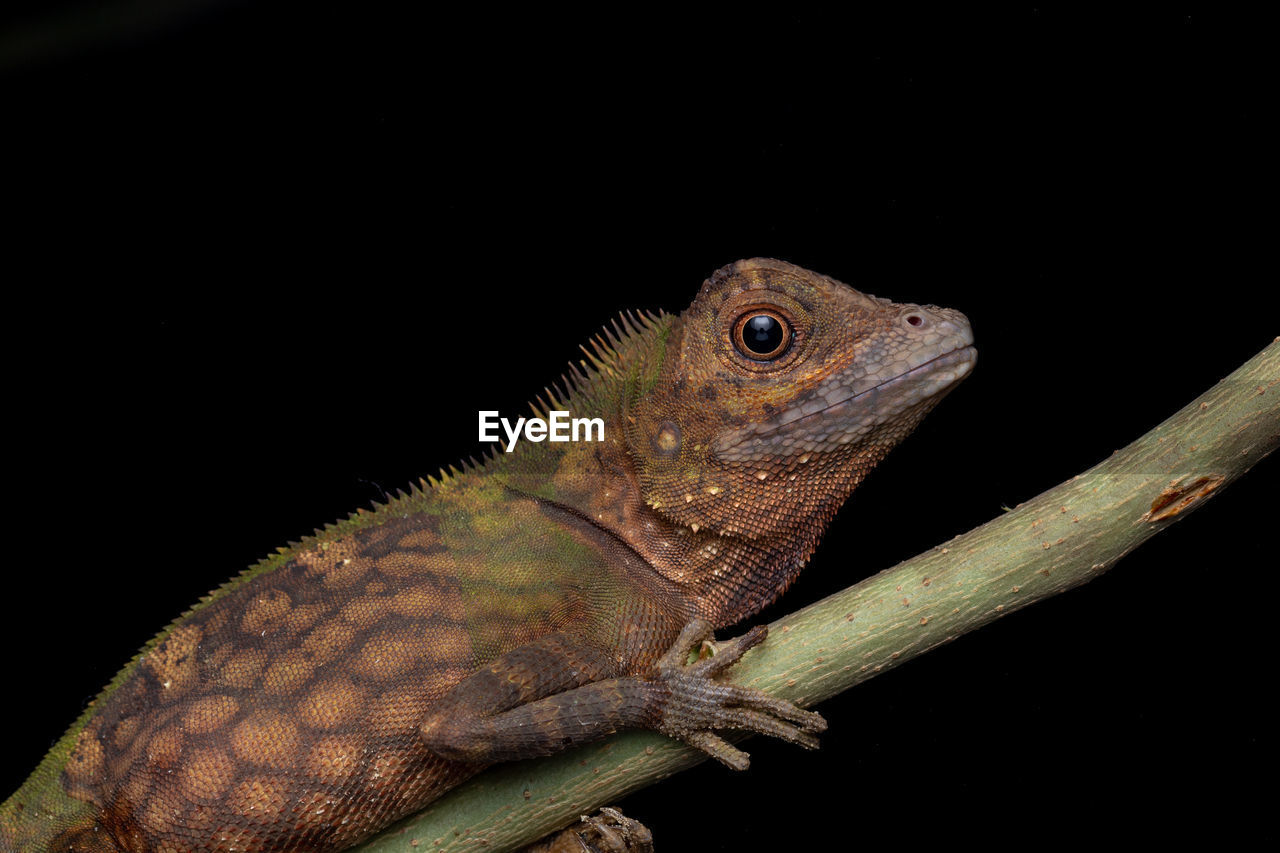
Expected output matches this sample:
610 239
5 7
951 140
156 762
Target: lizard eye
761 335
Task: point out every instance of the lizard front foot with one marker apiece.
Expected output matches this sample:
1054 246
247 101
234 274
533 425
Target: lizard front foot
698 703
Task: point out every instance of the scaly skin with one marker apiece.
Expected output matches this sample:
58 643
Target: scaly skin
542 599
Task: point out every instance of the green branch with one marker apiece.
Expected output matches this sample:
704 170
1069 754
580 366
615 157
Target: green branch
1066 536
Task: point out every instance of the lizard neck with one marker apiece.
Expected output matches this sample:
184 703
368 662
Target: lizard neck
725 578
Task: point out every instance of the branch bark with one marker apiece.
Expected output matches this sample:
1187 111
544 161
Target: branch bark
1065 537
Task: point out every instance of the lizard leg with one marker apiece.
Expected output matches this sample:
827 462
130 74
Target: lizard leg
556 693
534 700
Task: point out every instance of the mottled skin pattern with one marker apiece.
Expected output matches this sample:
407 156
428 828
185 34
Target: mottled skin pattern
542 599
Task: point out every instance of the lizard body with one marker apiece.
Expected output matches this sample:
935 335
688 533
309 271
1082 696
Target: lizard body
542 599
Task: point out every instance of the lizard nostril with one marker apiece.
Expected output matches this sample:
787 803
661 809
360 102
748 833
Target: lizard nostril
914 320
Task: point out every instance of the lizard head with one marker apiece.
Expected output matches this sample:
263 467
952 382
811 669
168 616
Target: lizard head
777 391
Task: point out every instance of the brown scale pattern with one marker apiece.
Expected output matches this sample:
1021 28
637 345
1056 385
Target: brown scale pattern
294 724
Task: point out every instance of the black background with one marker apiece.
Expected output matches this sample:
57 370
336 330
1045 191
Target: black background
270 260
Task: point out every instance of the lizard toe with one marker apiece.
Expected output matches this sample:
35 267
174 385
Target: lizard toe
719 749
758 700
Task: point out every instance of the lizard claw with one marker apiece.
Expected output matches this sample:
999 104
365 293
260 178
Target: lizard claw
698 703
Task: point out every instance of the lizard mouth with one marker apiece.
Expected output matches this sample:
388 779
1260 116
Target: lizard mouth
843 415
929 376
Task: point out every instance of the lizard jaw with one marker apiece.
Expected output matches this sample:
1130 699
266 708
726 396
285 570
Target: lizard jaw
846 413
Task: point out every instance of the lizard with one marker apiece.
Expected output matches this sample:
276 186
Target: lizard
522 605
